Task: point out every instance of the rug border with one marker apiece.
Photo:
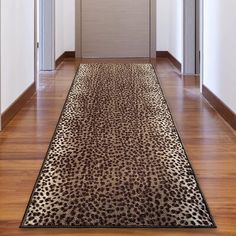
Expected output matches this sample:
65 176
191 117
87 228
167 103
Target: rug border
49 146
22 226
185 150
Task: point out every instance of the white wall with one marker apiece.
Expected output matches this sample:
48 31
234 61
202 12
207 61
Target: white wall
69 25
219 50
17 49
170 27
163 25
176 29
65 26
59 35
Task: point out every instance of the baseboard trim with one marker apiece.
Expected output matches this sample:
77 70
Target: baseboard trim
67 54
228 115
166 54
15 107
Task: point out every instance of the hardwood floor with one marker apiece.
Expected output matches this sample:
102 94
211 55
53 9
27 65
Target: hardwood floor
209 142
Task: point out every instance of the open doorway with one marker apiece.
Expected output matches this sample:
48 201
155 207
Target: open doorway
45 35
191 19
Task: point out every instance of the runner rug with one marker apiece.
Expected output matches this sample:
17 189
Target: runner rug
116 159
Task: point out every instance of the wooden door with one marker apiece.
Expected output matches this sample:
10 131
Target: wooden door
115 28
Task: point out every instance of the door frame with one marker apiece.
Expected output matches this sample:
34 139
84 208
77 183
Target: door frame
35 42
189 37
78 28
0 66
47 30
198 36
201 44
191 52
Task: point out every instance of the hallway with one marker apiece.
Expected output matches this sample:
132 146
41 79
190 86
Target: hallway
209 142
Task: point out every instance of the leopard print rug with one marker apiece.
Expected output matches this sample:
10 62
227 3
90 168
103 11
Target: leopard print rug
116 159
